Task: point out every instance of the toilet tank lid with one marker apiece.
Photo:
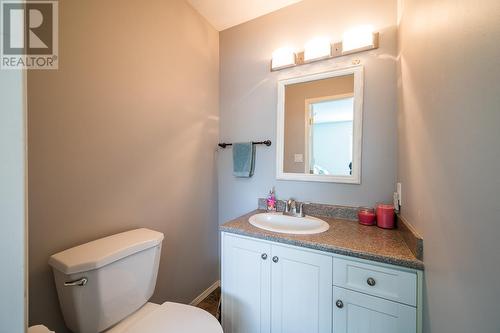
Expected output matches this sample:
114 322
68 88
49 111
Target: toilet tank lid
104 251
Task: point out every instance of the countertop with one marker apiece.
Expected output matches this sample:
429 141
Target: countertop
344 237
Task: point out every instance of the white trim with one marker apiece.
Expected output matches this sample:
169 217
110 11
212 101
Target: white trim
355 178
26 216
308 140
205 294
13 133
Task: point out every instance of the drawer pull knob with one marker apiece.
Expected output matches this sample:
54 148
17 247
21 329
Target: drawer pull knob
264 256
275 259
371 282
339 304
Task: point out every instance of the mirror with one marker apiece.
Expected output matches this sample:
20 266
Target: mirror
319 127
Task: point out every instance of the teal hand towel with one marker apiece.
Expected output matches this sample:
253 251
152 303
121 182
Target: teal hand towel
243 159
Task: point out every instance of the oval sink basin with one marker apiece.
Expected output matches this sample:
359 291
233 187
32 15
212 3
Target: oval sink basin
278 222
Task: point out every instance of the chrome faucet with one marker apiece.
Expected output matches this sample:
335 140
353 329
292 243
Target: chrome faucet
291 208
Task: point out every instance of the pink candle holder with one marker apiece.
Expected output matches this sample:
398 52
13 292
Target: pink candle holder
366 216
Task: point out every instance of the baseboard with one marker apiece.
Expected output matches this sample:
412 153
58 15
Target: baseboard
205 294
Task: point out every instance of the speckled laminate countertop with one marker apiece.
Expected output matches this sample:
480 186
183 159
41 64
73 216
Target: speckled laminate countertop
344 237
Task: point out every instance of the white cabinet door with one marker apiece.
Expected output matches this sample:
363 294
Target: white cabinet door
356 312
301 291
246 294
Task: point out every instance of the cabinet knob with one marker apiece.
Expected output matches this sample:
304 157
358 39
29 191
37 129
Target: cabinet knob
275 259
263 256
339 304
371 281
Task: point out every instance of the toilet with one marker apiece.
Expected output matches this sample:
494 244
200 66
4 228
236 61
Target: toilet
105 285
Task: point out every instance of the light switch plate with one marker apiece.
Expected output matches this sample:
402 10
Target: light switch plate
298 158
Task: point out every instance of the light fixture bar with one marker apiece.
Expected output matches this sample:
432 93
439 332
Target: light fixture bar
336 52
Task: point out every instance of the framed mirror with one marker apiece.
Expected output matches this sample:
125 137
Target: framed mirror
319 130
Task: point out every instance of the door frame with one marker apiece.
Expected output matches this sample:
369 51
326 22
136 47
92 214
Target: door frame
13 202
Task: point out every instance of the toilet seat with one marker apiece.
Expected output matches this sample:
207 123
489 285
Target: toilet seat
39 329
174 318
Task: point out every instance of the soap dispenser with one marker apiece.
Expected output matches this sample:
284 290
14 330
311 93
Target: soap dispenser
271 201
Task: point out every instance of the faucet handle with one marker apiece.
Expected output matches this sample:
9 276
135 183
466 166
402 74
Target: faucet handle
301 208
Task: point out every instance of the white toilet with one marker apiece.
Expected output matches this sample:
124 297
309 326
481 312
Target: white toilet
105 285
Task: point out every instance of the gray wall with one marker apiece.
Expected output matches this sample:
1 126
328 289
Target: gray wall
449 156
122 136
12 201
249 96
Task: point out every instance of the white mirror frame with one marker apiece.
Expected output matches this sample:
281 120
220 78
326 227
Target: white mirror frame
355 178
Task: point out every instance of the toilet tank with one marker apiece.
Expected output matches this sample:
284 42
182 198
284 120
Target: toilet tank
102 282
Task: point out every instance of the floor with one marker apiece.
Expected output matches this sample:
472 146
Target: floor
211 303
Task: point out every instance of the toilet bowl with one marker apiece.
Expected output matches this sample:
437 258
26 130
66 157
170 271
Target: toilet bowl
105 285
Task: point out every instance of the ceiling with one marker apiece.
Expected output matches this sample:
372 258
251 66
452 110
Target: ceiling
223 14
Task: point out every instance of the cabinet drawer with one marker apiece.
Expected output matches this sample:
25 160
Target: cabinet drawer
392 284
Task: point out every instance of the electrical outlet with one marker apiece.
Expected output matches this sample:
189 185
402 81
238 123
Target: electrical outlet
400 195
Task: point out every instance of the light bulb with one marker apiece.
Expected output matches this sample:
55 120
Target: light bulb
317 48
283 57
358 38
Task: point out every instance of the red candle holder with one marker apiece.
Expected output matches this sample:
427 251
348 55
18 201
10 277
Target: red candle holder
385 216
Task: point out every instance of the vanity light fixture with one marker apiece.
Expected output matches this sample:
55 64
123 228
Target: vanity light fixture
359 39
317 49
283 58
355 40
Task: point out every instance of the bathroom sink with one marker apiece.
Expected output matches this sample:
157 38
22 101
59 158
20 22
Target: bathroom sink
278 222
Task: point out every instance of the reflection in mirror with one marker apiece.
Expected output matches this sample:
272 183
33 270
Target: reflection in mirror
319 119
330 120
323 111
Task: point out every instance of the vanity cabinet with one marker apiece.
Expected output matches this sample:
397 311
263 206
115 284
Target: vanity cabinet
272 288
269 287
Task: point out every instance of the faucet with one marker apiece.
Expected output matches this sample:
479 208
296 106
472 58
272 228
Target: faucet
291 208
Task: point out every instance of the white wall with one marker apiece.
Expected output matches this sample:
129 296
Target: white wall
449 156
249 96
12 202
333 148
